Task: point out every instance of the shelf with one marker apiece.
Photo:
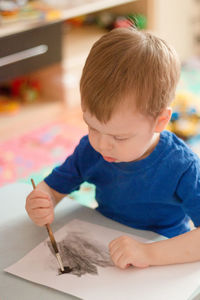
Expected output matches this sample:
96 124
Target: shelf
90 6
70 10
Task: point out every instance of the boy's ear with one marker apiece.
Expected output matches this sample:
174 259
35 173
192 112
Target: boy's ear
163 119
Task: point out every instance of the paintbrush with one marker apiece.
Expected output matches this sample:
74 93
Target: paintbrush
52 239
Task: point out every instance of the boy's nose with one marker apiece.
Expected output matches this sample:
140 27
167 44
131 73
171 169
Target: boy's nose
104 144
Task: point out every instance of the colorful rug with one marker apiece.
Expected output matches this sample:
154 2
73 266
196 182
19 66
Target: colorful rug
35 153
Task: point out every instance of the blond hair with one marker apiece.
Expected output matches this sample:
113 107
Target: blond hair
127 63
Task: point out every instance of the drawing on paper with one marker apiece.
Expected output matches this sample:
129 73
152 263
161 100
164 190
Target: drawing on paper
82 254
88 245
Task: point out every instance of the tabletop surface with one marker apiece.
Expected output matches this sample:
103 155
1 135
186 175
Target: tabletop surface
18 235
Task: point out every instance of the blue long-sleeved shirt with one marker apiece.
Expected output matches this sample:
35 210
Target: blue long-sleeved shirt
160 193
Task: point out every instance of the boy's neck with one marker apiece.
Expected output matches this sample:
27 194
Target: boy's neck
154 143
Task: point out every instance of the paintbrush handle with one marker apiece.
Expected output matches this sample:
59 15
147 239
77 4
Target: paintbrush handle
50 233
48 227
33 183
52 239
51 236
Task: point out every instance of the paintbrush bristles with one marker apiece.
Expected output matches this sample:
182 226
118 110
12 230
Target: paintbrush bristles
54 245
60 261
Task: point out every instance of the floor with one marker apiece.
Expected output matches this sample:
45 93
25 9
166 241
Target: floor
76 45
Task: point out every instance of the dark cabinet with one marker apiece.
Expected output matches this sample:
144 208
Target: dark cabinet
30 50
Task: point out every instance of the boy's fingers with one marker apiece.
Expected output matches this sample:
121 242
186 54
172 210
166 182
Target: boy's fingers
39 207
39 222
44 221
37 203
114 250
116 255
113 245
116 259
47 218
114 242
41 213
122 262
37 194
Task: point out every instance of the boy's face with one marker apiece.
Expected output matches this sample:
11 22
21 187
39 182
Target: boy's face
127 136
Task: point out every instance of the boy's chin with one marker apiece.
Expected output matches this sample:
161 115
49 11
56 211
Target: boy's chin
122 161
130 160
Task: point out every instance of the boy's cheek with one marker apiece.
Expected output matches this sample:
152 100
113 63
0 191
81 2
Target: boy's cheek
93 139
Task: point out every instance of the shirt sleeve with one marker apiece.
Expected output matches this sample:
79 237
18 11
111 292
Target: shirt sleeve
188 190
67 178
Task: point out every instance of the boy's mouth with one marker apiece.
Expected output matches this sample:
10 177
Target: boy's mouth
109 159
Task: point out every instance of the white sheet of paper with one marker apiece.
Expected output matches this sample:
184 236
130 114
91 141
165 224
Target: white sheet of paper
86 244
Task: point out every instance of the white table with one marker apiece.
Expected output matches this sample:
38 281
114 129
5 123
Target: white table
18 235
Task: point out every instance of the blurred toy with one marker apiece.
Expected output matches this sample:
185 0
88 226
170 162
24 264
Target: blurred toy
139 20
108 20
26 89
122 22
105 20
77 22
14 93
8 105
8 8
17 10
186 115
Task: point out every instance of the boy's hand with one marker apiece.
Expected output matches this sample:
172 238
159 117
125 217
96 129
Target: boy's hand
126 251
39 207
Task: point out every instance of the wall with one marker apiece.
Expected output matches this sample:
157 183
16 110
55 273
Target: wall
173 22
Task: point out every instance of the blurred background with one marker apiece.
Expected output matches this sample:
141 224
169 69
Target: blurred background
43 47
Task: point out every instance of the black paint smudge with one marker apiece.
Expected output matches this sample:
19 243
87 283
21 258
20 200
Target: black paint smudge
66 270
82 255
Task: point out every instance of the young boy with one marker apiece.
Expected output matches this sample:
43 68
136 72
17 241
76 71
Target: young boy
145 177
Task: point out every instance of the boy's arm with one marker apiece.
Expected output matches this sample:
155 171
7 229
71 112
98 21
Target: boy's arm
180 249
55 196
184 248
64 179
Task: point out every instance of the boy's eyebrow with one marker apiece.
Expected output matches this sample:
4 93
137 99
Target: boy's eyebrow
121 134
